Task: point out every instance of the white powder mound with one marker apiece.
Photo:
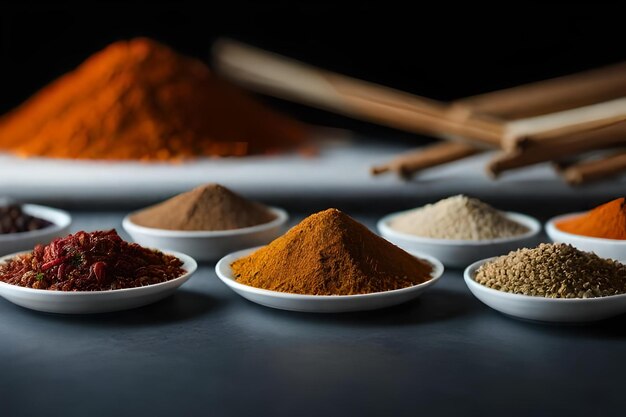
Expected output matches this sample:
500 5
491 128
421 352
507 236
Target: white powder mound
458 217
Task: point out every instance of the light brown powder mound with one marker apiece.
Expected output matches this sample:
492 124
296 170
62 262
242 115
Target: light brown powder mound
554 271
460 218
139 99
209 207
329 253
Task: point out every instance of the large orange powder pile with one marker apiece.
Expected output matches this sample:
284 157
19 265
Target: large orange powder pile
607 221
329 253
139 99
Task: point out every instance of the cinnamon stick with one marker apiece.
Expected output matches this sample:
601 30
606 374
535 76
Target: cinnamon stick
594 170
473 120
548 96
276 75
539 130
413 113
476 120
560 147
407 164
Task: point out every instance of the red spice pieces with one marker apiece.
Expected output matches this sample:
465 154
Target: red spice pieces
96 261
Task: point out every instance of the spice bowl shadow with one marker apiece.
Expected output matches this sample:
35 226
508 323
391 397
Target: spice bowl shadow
324 303
182 305
605 248
460 253
543 309
15 242
207 245
90 302
438 306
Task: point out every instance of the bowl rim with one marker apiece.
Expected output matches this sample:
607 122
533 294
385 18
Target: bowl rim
60 220
189 265
281 218
532 223
470 271
224 273
551 228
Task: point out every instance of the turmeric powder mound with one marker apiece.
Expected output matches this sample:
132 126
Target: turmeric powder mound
139 99
329 253
607 221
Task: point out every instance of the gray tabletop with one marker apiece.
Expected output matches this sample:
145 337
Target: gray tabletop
207 352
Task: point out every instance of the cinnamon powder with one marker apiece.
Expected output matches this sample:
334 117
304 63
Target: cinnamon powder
329 253
208 207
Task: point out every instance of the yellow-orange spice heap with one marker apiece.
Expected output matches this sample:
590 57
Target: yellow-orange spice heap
329 253
607 221
139 99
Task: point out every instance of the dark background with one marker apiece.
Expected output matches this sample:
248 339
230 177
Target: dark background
444 53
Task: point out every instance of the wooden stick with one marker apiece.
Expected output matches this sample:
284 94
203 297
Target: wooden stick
567 145
551 95
595 169
383 103
514 141
542 129
567 132
290 79
407 164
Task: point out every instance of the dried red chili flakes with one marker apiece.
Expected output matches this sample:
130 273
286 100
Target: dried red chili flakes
96 261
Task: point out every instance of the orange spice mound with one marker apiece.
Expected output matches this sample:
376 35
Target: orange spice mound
139 99
607 221
329 253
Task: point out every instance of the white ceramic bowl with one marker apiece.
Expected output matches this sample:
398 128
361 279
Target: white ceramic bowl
208 246
557 310
323 303
605 248
460 253
15 242
88 302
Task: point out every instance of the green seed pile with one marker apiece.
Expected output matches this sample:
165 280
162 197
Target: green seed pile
554 271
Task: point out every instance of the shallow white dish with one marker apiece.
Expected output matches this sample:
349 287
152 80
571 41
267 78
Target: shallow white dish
557 310
15 242
460 253
605 248
323 303
207 246
88 302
